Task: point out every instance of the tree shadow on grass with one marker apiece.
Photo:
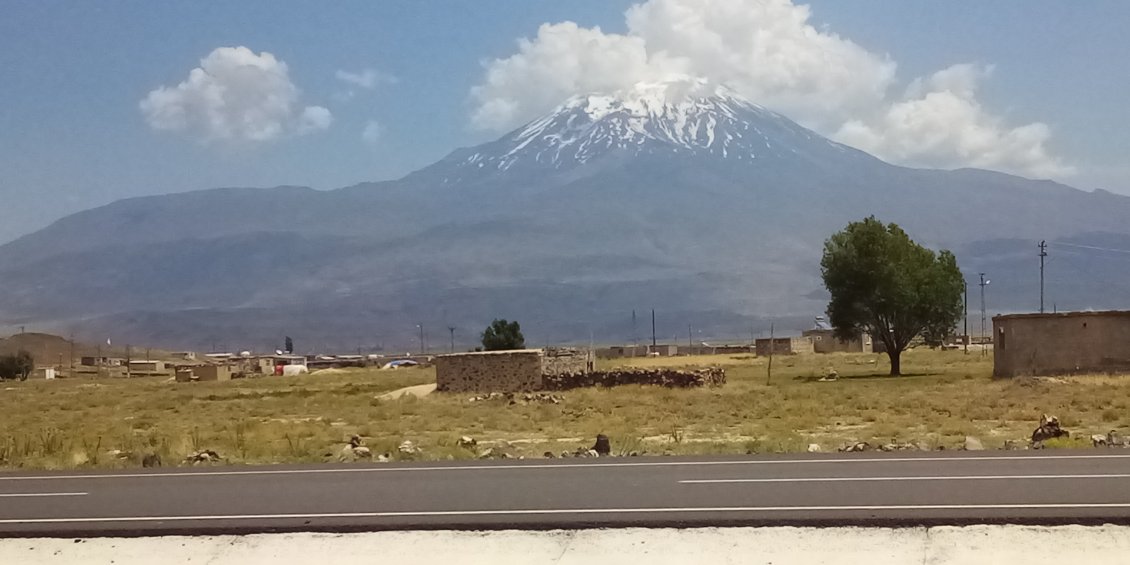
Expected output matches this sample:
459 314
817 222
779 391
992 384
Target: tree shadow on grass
868 377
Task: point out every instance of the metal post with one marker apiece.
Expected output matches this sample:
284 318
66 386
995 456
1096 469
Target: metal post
772 346
983 284
451 329
420 327
1043 253
966 338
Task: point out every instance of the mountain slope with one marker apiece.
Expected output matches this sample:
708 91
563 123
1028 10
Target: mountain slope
678 196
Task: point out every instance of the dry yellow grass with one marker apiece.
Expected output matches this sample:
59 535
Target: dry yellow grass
946 396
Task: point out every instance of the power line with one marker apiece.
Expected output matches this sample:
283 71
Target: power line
1092 247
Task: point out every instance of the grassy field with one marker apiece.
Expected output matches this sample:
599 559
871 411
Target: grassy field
947 396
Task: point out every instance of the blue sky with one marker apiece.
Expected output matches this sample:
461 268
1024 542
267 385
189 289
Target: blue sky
74 133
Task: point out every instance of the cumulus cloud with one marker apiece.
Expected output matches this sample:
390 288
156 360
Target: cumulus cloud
372 132
939 123
768 51
235 95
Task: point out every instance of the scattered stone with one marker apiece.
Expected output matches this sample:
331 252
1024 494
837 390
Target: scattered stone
856 447
831 376
118 454
354 451
384 458
202 456
407 447
1014 445
672 378
1049 429
1098 440
494 453
151 460
566 454
549 455
633 454
467 441
1115 440
972 444
603 447
907 446
814 448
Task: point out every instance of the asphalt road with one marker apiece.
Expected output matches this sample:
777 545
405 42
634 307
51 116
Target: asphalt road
1050 487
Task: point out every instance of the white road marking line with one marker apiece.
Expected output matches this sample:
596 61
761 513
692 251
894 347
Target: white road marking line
690 510
563 467
35 494
883 479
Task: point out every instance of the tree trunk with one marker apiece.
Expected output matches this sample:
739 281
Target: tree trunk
896 367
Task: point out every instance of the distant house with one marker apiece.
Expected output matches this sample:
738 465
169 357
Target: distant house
203 373
1062 343
784 346
93 361
146 366
43 373
269 364
825 341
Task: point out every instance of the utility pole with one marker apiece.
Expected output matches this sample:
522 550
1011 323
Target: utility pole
128 360
635 335
71 369
653 328
984 282
1043 253
451 330
966 337
772 346
420 327
690 343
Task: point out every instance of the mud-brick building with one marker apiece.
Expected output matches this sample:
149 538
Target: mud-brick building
784 346
1061 344
507 371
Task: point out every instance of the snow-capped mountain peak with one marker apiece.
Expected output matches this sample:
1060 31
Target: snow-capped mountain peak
686 116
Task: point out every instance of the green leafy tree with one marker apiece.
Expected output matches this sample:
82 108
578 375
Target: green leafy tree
885 284
501 335
16 366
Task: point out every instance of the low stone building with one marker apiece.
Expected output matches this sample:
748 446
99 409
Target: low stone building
506 371
825 341
1062 343
784 346
188 373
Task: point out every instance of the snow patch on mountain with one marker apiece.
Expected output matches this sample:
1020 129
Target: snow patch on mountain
683 116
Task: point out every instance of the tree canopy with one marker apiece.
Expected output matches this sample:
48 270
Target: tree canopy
18 365
885 284
501 335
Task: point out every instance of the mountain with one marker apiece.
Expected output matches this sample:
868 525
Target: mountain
679 196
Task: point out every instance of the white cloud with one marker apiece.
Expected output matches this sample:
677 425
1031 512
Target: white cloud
366 78
939 123
768 51
235 95
372 132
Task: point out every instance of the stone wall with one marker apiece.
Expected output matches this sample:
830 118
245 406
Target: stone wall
1063 343
489 371
713 376
562 360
